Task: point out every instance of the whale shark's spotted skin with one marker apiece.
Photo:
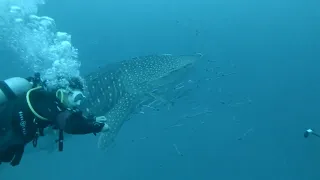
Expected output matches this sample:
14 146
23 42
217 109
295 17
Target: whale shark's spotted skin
117 90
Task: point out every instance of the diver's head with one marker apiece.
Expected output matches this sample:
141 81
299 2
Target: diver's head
76 83
72 96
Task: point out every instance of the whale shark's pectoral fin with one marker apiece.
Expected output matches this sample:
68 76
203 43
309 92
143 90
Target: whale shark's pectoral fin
115 119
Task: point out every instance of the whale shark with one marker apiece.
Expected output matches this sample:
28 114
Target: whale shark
118 90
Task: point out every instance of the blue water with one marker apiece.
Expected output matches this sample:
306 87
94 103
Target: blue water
269 51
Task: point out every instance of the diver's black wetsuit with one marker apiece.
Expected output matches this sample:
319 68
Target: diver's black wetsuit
19 125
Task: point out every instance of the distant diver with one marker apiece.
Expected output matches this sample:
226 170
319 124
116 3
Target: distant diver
309 132
27 108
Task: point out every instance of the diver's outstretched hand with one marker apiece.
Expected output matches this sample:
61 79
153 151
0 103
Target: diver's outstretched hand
105 128
101 119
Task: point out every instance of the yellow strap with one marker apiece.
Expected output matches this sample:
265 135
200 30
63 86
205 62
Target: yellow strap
30 105
60 91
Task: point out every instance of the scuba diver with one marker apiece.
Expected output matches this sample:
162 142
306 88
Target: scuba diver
27 108
309 132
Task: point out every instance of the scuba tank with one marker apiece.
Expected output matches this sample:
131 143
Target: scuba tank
17 86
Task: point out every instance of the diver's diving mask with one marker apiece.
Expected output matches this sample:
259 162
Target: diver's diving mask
75 97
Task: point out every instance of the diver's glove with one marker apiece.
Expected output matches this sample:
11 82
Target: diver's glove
100 120
105 128
103 119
